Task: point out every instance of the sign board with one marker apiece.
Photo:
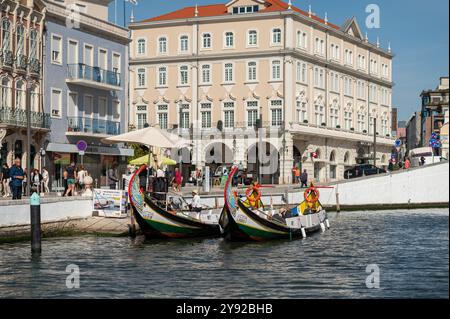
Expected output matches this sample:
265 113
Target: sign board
81 153
82 146
398 143
110 203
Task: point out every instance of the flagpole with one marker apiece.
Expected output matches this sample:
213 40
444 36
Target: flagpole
124 14
115 12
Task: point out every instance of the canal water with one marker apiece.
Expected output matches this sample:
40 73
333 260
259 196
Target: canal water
409 248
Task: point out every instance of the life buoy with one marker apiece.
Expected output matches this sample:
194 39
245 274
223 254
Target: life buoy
312 199
253 200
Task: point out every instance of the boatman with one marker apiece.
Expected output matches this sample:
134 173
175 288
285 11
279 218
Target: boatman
195 206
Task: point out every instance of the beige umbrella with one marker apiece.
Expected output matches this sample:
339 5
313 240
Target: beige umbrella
150 136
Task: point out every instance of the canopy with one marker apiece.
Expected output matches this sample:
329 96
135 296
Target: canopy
150 136
144 160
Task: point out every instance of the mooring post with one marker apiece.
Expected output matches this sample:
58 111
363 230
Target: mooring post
35 217
338 205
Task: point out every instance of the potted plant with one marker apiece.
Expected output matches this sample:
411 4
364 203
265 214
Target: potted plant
338 126
352 129
305 121
324 124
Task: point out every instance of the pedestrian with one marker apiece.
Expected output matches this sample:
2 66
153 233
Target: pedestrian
36 179
17 176
5 180
82 173
407 163
422 161
391 166
304 179
45 180
71 178
177 181
65 184
25 182
111 176
297 174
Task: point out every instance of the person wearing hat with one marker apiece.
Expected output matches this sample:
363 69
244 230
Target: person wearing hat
195 206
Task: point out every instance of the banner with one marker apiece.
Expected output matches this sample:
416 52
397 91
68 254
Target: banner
110 203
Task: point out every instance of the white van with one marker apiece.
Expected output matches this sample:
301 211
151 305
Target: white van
427 152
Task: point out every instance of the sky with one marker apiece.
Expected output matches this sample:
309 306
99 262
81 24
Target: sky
418 31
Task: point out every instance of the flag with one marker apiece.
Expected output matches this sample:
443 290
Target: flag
133 2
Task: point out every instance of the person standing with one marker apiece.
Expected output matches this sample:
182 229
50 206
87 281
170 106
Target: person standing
36 180
71 178
17 176
82 173
407 164
422 161
112 179
297 174
177 181
5 180
45 180
304 179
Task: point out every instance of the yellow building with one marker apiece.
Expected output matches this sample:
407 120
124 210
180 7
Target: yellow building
211 72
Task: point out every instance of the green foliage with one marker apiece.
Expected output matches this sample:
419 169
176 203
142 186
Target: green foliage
139 151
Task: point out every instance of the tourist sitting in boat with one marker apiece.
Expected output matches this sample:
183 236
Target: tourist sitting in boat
195 205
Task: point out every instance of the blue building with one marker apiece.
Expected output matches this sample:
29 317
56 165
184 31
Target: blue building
86 87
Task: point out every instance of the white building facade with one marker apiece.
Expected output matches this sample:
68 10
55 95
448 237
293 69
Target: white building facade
321 92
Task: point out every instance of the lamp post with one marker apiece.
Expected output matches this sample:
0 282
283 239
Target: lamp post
28 114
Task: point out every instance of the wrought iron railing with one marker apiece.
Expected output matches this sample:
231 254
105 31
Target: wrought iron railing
92 126
6 58
21 62
18 117
34 66
85 72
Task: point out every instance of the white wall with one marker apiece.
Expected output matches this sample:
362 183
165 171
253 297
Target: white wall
424 185
16 215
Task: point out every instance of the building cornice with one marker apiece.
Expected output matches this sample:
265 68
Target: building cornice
89 23
263 54
260 16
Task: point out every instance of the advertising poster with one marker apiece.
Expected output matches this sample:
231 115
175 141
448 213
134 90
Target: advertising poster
109 203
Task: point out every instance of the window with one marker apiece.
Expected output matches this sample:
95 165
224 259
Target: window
348 57
88 105
20 40
373 93
116 109
384 126
252 71
206 74
184 116
141 46
141 116
334 115
361 62
276 70
302 111
385 70
184 43
184 75
246 9
163 116
371 125
229 40
348 119
141 78
276 36
34 44
335 52
206 115
302 72
334 78
6 92
302 40
320 46
162 76
277 112
361 90
56 49
228 72
373 66
252 38
207 41
228 114
56 102
116 64
6 35
162 45
361 122
319 114
252 113
319 77
72 105
348 86
102 107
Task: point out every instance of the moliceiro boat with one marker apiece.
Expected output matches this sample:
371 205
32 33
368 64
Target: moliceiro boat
245 219
167 219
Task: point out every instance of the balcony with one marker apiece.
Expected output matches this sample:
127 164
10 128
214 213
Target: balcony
93 77
21 62
14 118
35 66
6 58
84 126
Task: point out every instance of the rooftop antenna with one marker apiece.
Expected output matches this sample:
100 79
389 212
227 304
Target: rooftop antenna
196 10
378 42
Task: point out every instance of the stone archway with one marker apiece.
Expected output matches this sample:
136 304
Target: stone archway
218 154
268 160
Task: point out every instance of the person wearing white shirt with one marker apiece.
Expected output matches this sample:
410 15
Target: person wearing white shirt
196 206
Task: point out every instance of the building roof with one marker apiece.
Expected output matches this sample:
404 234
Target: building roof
221 10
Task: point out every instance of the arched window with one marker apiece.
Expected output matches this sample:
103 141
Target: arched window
20 95
6 92
20 40
6 34
347 158
34 44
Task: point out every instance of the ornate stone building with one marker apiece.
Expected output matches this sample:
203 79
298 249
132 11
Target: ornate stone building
21 34
320 91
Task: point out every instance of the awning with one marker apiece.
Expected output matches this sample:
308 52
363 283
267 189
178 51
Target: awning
96 150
